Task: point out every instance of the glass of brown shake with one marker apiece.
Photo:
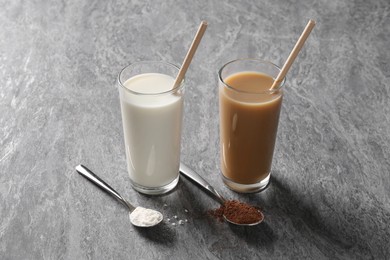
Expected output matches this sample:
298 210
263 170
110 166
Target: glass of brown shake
249 114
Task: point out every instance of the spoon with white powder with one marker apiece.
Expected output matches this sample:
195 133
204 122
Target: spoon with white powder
139 216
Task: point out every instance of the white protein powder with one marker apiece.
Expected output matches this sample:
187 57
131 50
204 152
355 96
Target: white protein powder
143 217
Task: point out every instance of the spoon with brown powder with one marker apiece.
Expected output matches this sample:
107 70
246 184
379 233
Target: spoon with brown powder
233 211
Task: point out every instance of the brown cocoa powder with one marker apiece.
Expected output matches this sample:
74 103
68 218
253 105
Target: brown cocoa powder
237 212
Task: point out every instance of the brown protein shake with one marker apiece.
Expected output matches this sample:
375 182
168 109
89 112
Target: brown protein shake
249 115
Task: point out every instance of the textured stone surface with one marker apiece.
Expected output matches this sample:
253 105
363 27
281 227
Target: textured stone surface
330 191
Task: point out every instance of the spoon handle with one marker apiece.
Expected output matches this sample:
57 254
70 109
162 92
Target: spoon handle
92 177
197 179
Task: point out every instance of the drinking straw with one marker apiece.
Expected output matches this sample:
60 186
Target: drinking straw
190 53
294 53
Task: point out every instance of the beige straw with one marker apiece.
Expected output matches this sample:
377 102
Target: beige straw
294 53
190 53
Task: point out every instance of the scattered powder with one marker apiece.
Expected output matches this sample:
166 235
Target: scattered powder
217 213
143 217
237 212
176 220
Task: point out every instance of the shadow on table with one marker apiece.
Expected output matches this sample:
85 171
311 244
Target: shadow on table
260 235
161 234
195 199
281 202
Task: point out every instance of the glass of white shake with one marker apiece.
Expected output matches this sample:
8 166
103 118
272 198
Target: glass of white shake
152 121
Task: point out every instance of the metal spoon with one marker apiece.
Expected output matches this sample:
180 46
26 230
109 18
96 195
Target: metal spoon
92 177
197 179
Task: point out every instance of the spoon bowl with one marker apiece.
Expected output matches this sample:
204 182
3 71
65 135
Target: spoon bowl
197 179
248 224
92 177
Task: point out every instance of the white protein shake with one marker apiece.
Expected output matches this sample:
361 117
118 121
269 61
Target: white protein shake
152 129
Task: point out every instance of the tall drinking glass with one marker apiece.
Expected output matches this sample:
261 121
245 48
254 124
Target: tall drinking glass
152 122
249 115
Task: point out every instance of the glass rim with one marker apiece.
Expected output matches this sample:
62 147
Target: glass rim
121 84
270 91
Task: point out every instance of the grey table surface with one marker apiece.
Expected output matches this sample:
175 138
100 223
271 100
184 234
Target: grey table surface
330 189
